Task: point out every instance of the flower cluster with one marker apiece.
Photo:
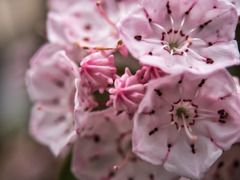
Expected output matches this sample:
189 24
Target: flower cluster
170 117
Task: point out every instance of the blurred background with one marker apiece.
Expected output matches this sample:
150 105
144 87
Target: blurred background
22 32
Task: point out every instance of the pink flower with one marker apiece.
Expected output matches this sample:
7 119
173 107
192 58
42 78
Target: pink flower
127 93
50 83
97 71
51 75
180 35
92 27
186 120
103 152
53 127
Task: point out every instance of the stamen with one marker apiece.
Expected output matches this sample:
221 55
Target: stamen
192 137
172 37
208 116
159 26
184 47
191 31
103 48
198 39
197 55
162 28
122 164
172 22
96 48
99 6
182 23
207 111
154 41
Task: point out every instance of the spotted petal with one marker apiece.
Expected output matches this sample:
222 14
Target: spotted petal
181 35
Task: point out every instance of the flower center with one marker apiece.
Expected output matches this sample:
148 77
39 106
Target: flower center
176 42
183 114
182 111
173 45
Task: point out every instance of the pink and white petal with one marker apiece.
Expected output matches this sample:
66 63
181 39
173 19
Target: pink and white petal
142 170
95 155
229 127
132 36
41 86
55 31
51 79
157 11
222 54
44 54
80 24
56 130
190 160
95 152
83 104
219 21
214 86
162 60
151 143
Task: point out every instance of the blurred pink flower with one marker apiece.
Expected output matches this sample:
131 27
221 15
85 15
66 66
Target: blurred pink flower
50 83
103 152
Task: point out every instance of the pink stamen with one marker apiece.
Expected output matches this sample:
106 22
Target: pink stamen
184 47
122 164
192 137
99 6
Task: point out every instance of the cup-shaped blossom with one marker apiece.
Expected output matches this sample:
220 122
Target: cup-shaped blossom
127 93
50 83
104 151
176 35
97 71
186 120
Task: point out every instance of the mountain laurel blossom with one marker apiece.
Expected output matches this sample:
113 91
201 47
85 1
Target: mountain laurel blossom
50 82
169 111
186 120
182 35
